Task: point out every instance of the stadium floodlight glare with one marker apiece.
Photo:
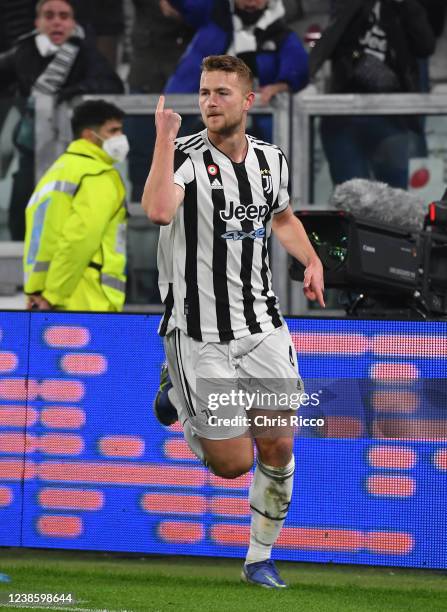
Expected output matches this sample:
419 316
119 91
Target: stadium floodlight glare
399 267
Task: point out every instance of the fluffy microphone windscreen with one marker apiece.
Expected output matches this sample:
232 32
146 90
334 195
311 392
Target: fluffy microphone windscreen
381 203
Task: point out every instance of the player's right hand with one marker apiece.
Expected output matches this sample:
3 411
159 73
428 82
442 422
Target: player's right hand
166 121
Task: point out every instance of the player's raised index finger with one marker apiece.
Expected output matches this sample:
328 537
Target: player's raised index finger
160 104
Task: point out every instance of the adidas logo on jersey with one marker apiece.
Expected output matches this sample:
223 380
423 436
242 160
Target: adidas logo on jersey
216 184
251 212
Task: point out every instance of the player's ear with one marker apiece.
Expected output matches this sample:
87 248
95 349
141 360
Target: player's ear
249 100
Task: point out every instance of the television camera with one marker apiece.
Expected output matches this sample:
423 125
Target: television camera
383 269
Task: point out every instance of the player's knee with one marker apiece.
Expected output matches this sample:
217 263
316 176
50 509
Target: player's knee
232 470
278 453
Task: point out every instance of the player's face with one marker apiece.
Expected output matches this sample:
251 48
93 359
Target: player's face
224 100
56 20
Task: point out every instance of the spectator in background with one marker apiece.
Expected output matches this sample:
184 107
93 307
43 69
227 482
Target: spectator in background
255 31
374 46
195 12
17 19
432 71
436 11
51 65
75 246
160 35
104 21
199 12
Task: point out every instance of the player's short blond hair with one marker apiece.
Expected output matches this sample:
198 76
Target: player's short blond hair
228 63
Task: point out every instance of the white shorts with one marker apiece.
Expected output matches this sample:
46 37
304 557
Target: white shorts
216 384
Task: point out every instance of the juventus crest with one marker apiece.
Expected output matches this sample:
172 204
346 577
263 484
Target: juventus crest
267 182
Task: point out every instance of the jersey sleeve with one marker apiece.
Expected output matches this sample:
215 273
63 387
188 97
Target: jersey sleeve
183 169
284 193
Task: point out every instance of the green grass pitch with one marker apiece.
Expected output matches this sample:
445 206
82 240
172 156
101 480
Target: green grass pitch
115 583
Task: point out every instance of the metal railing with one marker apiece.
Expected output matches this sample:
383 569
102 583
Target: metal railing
293 118
306 107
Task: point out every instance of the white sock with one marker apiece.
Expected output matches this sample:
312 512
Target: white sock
270 495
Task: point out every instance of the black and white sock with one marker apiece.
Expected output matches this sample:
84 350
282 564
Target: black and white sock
270 496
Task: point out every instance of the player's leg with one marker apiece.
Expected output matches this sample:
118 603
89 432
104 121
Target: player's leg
229 458
270 496
175 389
273 365
198 371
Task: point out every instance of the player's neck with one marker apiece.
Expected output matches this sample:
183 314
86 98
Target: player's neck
233 146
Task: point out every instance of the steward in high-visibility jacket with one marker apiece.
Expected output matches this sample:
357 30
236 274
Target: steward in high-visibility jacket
75 242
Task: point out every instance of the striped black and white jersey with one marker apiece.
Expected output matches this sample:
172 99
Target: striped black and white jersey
214 272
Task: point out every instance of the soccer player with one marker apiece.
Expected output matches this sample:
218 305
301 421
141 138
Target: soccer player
217 195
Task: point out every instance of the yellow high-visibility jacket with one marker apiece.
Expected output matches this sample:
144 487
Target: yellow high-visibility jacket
75 242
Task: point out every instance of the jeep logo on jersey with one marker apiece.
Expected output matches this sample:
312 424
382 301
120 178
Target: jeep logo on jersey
251 212
267 182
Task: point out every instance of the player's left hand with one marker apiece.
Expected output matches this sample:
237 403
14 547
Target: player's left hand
313 283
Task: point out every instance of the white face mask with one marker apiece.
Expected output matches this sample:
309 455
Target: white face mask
117 147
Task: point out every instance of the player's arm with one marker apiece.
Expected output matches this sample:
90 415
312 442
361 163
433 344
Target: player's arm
291 233
161 196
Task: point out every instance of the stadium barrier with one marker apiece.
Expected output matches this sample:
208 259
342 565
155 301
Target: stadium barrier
295 119
85 465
